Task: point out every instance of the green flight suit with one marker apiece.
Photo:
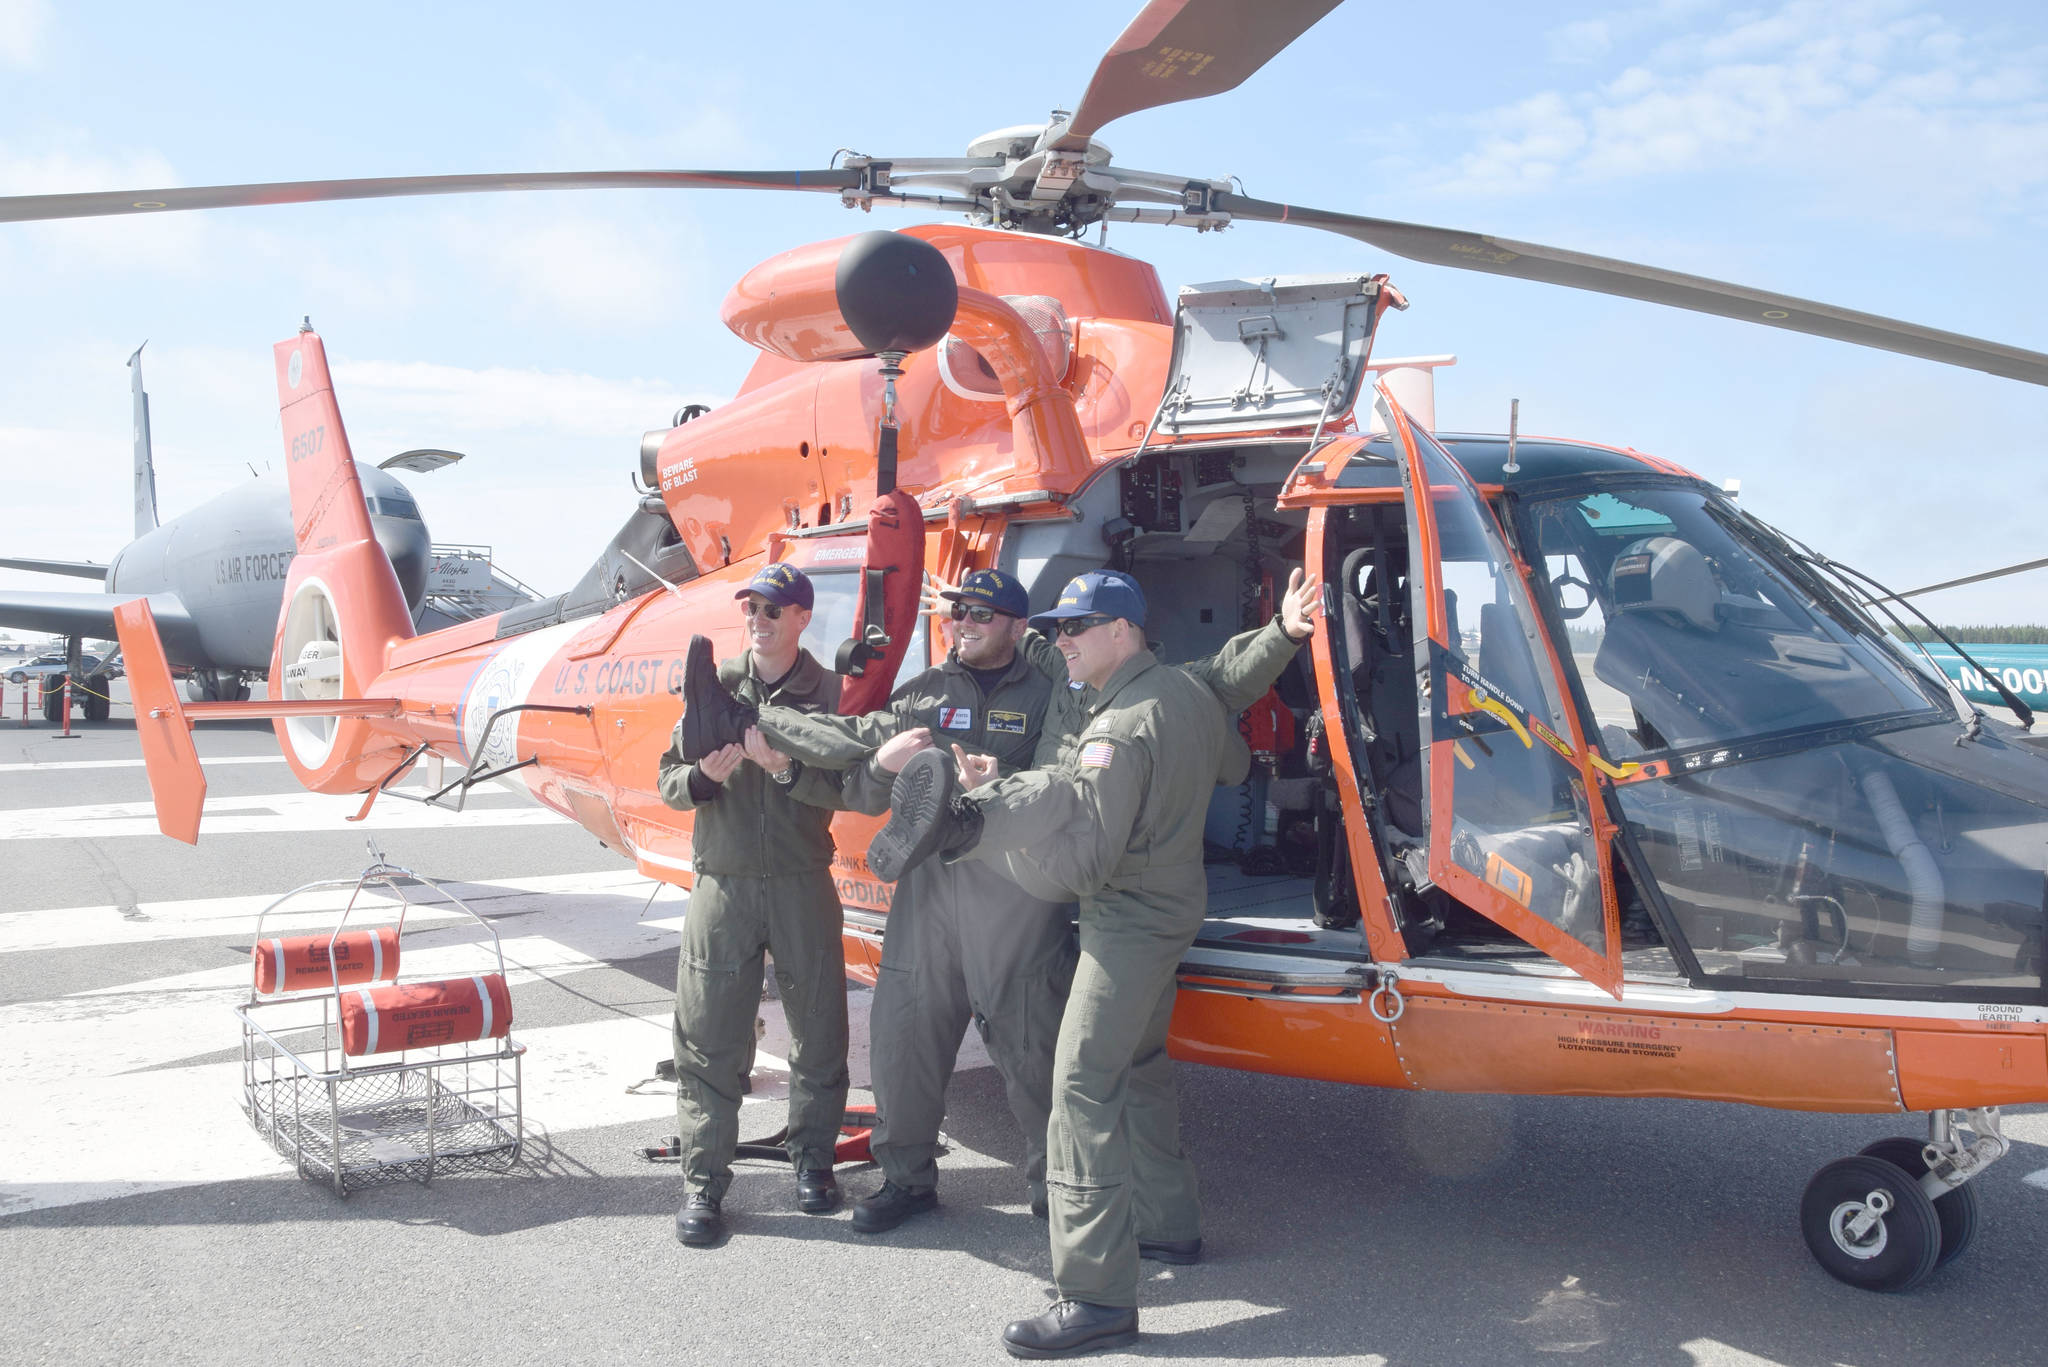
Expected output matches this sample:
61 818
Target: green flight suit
762 855
1118 824
958 945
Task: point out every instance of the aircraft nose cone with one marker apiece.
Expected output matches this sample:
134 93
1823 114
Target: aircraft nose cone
405 540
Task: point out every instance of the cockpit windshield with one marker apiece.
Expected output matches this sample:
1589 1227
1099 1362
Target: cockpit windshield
1685 632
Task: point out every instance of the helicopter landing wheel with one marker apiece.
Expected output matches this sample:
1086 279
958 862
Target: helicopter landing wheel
1868 1224
1957 1210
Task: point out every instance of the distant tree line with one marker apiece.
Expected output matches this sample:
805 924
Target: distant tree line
2003 635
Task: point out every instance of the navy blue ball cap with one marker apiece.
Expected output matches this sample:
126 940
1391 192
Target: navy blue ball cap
784 584
1098 593
994 589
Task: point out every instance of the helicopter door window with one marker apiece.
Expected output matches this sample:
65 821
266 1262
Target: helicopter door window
1510 834
1585 629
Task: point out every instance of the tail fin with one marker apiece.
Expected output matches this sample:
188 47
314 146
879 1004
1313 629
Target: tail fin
343 608
175 779
327 498
145 465
163 723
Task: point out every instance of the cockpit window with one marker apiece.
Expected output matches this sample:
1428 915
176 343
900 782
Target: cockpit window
394 505
1684 633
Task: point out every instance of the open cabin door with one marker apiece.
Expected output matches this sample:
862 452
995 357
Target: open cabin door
1515 829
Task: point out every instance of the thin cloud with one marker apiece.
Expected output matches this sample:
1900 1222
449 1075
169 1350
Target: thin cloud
22 26
495 399
1591 40
585 268
1876 93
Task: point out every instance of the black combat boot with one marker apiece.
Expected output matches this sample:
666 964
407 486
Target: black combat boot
1071 1327
891 1206
927 816
817 1191
712 717
1182 1252
699 1222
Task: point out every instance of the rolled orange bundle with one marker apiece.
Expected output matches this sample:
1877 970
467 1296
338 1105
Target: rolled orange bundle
299 963
383 1020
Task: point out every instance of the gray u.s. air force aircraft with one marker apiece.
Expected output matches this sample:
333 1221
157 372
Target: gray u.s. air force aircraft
215 576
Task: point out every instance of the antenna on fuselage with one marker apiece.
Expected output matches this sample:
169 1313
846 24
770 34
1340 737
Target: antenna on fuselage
656 573
1514 423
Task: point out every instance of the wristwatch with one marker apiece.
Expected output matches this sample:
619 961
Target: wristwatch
787 775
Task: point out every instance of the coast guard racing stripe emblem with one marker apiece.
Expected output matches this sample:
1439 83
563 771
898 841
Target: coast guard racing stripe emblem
956 719
1097 754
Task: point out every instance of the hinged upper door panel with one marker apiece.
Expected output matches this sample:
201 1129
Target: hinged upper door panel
1258 355
1512 833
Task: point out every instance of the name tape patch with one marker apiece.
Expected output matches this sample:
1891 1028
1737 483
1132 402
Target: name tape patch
956 719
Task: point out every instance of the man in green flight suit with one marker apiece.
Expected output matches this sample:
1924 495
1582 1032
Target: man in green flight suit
762 853
961 943
962 933
1117 824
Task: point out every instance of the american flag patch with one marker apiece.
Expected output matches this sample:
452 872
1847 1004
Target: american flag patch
1097 754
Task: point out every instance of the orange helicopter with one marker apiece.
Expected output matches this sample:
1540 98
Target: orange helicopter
1593 784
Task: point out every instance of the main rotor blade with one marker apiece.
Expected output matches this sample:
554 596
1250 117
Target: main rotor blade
96 204
1969 579
1183 50
1603 275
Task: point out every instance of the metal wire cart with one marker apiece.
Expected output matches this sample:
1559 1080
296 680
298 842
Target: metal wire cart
360 1078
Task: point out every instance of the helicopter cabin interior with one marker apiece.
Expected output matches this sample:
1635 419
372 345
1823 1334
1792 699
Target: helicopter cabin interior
1260 370
1850 854
1847 846
1199 528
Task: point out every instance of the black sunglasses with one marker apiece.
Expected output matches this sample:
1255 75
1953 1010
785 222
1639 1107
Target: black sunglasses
983 615
772 611
1074 626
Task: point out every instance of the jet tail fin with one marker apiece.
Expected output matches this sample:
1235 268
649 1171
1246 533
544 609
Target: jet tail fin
145 465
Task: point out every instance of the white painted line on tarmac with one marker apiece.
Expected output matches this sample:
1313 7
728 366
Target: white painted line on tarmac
119 1030
214 917
94 1112
206 761
73 1139
261 814
2037 1179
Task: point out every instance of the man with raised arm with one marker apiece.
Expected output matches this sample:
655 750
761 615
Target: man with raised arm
959 932
1117 824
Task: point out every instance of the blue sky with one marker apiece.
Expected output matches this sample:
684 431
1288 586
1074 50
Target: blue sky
1886 155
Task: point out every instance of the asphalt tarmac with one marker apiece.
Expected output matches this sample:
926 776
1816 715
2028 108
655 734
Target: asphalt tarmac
143 1220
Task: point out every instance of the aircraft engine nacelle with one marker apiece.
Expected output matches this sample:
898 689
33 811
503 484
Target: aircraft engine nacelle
798 450
755 465
851 297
